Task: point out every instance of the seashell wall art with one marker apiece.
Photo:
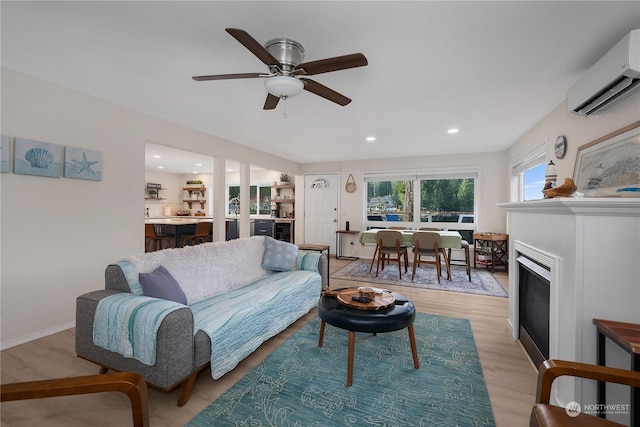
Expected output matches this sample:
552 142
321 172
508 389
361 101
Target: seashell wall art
37 158
32 157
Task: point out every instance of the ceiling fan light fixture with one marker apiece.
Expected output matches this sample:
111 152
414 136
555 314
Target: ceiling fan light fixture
284 86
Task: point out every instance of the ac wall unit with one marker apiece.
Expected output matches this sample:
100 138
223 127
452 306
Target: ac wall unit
615 76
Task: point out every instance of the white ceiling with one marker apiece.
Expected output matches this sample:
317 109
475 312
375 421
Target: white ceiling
491 69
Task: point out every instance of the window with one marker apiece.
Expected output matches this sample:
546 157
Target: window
527 176
533 182
259 206
447 200
437 197
390 200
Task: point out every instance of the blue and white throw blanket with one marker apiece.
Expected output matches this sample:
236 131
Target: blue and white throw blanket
127 324
236 322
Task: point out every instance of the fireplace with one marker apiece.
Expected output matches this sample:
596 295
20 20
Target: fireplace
588 247
534 282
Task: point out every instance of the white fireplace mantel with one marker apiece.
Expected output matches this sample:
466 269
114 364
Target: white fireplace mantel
615 206
597 244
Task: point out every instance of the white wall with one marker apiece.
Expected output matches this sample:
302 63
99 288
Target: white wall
58 235
577 129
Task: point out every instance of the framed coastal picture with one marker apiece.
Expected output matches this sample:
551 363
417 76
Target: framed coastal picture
4 153
82 163
37 158
609 163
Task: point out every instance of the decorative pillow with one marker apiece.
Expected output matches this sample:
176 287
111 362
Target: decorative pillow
160 284
279 255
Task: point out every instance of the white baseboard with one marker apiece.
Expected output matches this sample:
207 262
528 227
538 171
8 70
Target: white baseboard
36 335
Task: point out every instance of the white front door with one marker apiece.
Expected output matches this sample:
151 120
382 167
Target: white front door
321 209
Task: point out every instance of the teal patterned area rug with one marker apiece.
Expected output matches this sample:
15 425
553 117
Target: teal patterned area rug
303 385
482 281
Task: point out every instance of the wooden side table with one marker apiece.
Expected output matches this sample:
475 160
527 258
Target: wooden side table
627 336
339 234
491 249
318 248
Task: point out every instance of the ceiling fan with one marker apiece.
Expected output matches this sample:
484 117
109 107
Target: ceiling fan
284 58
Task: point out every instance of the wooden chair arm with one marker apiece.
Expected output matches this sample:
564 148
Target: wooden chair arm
133 385
552 369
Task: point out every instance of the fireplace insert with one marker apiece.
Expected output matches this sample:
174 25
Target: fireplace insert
534 289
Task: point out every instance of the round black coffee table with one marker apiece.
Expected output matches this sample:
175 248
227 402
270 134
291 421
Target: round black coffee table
398 316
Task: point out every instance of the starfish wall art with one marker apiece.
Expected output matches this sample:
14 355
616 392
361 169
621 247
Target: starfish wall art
82 163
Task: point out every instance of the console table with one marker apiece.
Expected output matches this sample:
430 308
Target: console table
627 336
495 246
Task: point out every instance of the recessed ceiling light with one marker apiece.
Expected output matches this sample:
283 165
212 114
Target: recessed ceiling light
198 164
371 138
195 172
156 156
160 167
454 130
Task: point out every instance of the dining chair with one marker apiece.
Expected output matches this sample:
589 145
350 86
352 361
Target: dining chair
390 243
150 235
428 243
201 234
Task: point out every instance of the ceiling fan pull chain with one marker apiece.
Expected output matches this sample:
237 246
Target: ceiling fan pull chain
284 108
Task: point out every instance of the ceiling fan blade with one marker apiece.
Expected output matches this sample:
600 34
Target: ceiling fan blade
256 48
229 76
271 102
323 91
333 64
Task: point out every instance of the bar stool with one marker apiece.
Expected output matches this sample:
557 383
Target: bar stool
151 236
467 261
201 234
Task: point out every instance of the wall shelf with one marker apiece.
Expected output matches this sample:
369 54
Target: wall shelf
151 193
283 200
198 192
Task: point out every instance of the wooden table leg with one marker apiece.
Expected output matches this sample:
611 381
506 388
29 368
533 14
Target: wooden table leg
321 336
601 388
352 345
635 393
414 350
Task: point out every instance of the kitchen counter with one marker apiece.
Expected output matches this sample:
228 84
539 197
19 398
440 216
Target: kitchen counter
177 220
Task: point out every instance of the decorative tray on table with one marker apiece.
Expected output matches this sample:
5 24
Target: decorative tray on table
366 298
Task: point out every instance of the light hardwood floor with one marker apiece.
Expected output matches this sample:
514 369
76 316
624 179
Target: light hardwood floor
510 377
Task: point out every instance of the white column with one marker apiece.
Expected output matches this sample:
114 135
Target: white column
218 199
245 176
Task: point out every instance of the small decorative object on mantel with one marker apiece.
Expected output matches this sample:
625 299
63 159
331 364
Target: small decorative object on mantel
550 175
564 190
351 184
